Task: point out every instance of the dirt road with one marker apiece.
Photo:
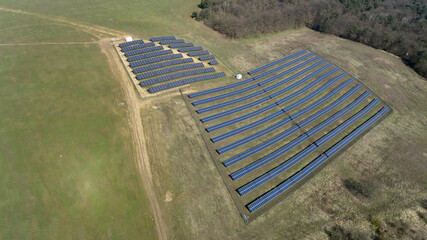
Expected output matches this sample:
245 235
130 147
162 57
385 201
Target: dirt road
134 106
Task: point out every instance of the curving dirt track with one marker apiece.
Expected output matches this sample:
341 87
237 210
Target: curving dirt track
134 107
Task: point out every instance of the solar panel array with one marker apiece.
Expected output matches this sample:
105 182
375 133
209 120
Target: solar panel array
155 39
125 44
175 76
143 50
272 131
168 70
190 49
161 65
179 45
149 55
138 46
185 81
208 57
153 65
213 62
198 53
154 60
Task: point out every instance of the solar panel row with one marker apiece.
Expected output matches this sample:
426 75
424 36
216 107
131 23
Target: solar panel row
178 45
240 91
155 39
143 50
125 44
198 53
161 65
168 70
164 42
155 60
296 158
277 125
190 49
175 76
213 62
138 46
185 81
276 62
283 100
218 89
301 124
268 80
208 57
261 162
304 173
149 55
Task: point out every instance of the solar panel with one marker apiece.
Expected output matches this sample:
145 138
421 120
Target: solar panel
213 62
179 45
164 42
175 76
149 55
168 70
138 46
155 39
185 81
276 62
208 57
125 44
190 49
143 50
161 65
154 60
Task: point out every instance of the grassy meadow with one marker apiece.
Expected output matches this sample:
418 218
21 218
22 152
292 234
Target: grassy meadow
67 162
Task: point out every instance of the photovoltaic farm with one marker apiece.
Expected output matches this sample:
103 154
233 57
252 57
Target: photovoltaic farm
269 133
166 62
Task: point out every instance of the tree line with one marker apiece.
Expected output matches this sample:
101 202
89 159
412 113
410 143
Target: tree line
396 26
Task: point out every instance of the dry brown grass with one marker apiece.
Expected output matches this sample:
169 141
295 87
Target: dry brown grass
391 156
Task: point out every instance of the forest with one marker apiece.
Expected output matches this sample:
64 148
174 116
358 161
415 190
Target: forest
396 26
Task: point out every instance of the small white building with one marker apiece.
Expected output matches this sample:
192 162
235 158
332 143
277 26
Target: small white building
128 39
239 76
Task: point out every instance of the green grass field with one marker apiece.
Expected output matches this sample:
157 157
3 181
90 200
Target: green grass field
68 165
68 162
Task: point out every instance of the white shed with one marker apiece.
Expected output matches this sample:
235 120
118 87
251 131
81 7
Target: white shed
128 39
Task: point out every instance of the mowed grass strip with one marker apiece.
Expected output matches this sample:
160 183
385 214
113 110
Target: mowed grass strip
68 165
